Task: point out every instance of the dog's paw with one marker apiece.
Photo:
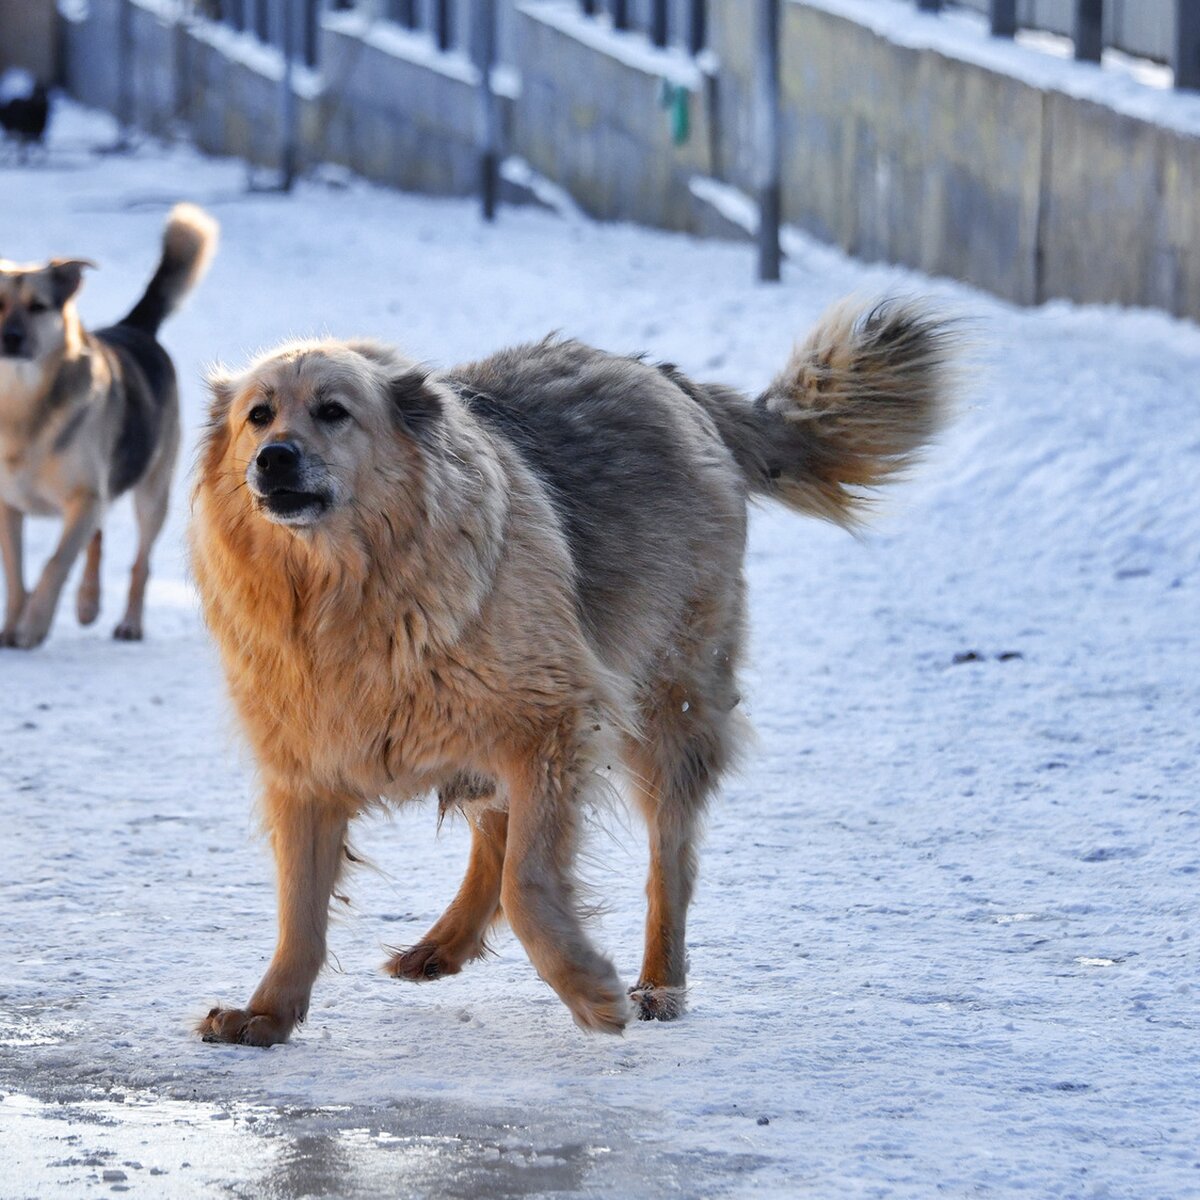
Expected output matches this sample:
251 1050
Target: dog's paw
29 634
422 962
8 637
658 1003
87 605
128 631
603 1008
243 1028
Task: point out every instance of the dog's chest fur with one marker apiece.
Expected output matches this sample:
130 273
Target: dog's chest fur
37 424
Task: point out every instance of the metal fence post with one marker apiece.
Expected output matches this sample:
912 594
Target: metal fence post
1187 44
697 26
443 24
489 110
404 12
288 27
658 22
768 148
930 5
620 14
1089 30
126 65
1004 18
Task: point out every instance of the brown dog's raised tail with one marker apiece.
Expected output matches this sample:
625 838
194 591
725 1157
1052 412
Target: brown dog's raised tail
859 399
857 402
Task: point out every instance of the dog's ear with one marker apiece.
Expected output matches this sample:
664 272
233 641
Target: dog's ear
66 275
414 400
221 391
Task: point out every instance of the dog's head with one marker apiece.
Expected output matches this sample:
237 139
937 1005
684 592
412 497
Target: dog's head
36 314
317 430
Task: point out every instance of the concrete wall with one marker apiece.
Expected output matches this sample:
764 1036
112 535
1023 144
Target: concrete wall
901 153
397 114
909 155
590 116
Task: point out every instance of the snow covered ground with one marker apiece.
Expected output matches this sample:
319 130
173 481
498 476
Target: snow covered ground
946 941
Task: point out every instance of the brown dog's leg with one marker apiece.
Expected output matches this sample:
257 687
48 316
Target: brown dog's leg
309 840
457 937
11 526
674 772
81 517
87 600
538 890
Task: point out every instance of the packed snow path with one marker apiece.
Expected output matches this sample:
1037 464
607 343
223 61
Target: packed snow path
946 936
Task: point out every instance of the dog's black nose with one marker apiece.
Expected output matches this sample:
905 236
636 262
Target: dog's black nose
13 341
277 462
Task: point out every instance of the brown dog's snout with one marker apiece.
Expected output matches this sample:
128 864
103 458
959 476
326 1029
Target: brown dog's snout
278 465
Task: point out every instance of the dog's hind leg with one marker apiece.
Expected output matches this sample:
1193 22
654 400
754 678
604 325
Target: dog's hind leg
690 737
11 528
87 599
81 516
458 935
309 840
150 498
537 889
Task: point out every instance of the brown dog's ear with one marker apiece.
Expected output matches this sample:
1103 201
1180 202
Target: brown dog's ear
66 274
414 400
221 391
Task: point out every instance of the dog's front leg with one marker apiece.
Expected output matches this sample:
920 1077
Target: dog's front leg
11 527
538 890
80 519
309 840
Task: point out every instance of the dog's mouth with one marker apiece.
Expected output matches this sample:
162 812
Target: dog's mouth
292 507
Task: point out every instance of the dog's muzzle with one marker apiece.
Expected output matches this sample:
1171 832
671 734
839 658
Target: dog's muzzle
279 482
12 342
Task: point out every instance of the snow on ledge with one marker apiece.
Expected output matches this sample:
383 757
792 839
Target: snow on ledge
633 49
409 45
966 36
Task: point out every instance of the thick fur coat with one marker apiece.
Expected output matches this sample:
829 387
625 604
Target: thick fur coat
492 581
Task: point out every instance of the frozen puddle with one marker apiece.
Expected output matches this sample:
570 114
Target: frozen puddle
147 1146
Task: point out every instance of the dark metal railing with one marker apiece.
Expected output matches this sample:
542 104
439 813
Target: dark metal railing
436 17
1088 32
272 22
681 23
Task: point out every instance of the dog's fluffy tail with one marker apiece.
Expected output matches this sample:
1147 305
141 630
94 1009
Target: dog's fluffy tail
855 405
189 241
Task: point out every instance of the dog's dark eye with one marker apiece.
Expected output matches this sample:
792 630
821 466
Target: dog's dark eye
331 412
36 306
260 414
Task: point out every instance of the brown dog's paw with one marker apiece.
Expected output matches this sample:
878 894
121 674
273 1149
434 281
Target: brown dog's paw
421 962
87 605
128 631
243 1028
658 1003
604 1008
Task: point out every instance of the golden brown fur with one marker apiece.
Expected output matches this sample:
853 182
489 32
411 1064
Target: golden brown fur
426 601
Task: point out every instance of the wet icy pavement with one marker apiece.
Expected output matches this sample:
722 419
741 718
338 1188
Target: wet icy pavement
149 1146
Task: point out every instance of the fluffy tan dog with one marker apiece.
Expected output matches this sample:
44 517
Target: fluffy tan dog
485 580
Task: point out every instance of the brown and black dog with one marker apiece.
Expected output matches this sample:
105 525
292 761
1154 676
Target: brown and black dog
497 579
85 417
